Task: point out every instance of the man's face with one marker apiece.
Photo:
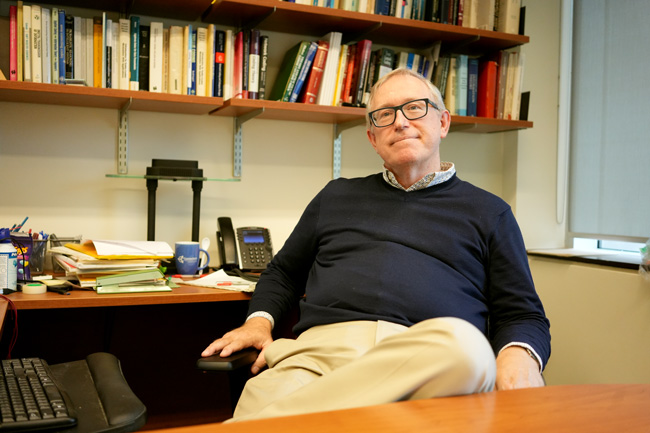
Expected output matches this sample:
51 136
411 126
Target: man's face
407 143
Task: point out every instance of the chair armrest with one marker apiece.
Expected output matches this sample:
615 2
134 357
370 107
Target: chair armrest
230 363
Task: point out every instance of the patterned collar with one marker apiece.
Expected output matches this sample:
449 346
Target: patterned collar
437 177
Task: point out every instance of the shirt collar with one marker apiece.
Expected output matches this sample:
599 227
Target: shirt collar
447 170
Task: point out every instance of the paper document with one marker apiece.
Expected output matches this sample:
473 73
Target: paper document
221 280
109 249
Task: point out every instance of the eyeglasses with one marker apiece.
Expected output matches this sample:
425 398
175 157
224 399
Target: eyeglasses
412 110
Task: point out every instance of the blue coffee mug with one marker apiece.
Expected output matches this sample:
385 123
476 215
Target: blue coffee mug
187 258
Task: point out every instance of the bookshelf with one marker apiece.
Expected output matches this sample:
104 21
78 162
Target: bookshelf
276 16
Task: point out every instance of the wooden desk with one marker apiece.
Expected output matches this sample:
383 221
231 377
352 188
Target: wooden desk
552 409
153 335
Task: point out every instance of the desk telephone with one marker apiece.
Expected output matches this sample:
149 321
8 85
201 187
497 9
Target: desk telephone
250 250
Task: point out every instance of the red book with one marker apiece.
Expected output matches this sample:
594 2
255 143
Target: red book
346 93
487 89
315 76
13 44
364 48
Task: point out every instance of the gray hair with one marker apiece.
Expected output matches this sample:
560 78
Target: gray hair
436 96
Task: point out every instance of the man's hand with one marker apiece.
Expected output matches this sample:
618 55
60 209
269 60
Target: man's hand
517 369
256 333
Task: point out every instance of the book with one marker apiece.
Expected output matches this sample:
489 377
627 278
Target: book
209 60
176 60
229 65
108 53
461 86
451 86
485 15
36 45
513 62
79 63
315 76
148 275
264 60
472 86
20 40
88 54
46 44
254 64
304 70
385 61
507 19
134 288
61 46
69 47
134 59
201 60
124 52
238 65
191 61
155 57
340 76
219 62
13 43
98 44
487 87
441 73
346 92
364 48
501 83
288 72
330 71
143 57
165 61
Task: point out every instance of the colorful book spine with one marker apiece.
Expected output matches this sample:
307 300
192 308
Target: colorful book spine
27 43
472 86
316 75
254 64
201 60
98 44
219 62
13 43
55 46
37 45
143 58
304 70
238 64
264 60
69 47
191 89
134 61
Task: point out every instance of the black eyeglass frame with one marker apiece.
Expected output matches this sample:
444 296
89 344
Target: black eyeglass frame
400 108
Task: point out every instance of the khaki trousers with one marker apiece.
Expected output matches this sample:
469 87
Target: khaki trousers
353 364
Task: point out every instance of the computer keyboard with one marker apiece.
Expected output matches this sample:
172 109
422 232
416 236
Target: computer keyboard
30 399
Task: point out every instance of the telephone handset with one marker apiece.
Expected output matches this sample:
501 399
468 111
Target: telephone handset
249 249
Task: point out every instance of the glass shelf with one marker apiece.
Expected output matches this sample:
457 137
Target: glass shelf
174 178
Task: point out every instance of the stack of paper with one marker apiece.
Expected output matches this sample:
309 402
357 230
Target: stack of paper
221 280
125 266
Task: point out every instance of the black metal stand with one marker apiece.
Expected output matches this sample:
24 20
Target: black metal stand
163 169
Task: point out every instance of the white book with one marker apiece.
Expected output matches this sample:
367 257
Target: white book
201 60
470 11
115 58
176 60
27 43
54 47
46 45
229 65
485 15
88 45
209 67
37 45
78 62
165 79
326 92
508 18
156 57
124 39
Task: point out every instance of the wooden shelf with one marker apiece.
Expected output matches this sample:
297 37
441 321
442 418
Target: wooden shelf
80 96
285 17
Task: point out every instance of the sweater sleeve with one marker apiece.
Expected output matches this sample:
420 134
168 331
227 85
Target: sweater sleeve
516 312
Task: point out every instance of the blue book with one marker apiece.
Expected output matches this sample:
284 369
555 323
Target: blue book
192 88
472 86
134 69
61 51
382 7
219 62
304 71
461 92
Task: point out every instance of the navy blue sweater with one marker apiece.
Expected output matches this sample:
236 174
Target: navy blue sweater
364 250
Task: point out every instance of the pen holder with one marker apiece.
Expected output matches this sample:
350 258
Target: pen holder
37 257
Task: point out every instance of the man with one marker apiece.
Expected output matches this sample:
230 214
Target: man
413 281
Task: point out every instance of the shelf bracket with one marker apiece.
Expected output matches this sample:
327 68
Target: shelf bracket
123 139
336 147
237 139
